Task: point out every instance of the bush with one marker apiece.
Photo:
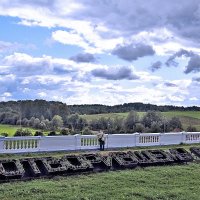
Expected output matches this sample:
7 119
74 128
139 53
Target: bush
23 132
155 127
52 133
4 134
39 133
191 129
86 131
65 131
139 128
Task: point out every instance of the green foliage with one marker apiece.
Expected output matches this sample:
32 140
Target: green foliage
139 128
52 133
130 121
38 133
11 129
4 134
86 131
23 132
65 131
175 123
57 122
191 129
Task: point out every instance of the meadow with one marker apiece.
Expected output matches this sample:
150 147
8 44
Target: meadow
10 129
177 182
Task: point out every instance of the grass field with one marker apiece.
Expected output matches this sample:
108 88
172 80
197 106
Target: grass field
11 129
177 182
190 114
153 183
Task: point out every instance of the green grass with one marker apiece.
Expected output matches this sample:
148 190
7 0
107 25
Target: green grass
178 182
12 129
189 114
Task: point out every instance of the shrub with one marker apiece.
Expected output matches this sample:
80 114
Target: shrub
39 133
4 134
52 133
86 131
191 129
139 128
23 132
65 131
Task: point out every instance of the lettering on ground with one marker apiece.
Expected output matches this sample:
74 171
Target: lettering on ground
32 168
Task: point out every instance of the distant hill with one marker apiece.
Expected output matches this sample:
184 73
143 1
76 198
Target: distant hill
127 107
47 109
26 109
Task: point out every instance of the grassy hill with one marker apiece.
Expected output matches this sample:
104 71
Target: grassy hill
187 117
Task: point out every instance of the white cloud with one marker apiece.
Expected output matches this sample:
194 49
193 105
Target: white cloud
42 94
167 26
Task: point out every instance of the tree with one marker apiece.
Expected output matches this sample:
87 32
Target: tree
175 123
118 124
150 117
31 121
36 123
73 121
25 122
139 128
57 122
156 127
42 126
130 121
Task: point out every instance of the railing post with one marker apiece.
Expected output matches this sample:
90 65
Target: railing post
2 144
77 141
137 139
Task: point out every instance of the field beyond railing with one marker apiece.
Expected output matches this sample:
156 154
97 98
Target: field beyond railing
83 142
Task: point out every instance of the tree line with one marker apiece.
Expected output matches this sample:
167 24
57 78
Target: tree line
56 116
150 122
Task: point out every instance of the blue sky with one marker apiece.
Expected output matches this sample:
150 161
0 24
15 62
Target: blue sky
103 51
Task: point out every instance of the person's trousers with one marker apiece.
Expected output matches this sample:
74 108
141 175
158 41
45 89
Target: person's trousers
102 145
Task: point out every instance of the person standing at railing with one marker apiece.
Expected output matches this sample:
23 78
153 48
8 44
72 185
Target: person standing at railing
101 139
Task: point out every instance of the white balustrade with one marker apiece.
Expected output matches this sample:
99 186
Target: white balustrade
81 142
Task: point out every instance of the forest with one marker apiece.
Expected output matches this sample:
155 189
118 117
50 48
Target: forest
57 116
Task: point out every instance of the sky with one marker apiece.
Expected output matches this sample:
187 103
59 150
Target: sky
100 52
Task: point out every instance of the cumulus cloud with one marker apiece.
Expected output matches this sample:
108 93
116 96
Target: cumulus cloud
8 46
132 52
115 74
155 66
25 65
182 52
196 79
193 65
83 57
93 23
